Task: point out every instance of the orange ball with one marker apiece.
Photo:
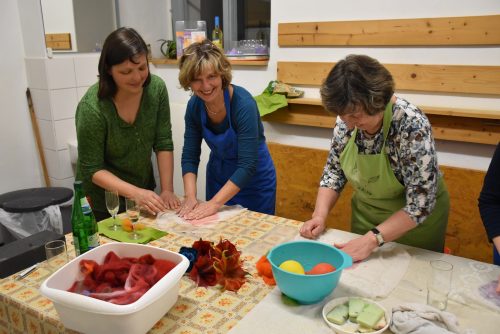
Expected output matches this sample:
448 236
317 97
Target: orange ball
127 225
321 268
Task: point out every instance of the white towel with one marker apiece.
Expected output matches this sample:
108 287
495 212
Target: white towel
169 220
374 277
414 318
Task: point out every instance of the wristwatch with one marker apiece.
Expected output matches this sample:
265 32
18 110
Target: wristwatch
378 236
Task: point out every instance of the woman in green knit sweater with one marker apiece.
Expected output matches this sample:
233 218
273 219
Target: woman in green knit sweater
120 121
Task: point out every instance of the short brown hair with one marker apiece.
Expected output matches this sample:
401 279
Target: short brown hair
200 56
357 81
121 45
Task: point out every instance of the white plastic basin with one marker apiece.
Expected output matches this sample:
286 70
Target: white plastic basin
90 315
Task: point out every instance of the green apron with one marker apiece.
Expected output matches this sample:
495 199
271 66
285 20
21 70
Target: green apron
378 194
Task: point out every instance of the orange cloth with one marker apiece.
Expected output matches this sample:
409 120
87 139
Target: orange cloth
265 271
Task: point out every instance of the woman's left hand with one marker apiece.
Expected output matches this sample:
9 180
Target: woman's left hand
359 248
170 199
203 210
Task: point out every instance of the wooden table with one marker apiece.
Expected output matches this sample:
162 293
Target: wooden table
473 313
210 310
198 310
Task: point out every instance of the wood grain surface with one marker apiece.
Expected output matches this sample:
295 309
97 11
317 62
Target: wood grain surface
467 30
453 79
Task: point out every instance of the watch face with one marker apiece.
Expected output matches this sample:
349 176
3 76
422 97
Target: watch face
380 239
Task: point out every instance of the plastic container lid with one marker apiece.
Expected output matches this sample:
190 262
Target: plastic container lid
34 199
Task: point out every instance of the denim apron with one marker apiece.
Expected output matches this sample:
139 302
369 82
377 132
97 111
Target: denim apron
378 194
259 194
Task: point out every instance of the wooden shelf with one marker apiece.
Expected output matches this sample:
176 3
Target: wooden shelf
463 125
472 113
165 61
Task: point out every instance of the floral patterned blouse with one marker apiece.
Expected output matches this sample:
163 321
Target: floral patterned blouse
411 152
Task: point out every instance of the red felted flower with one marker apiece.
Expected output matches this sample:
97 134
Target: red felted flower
203 272
203 247
218 265
230 273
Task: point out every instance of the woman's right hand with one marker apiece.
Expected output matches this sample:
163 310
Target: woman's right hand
149 201
187 205
312 228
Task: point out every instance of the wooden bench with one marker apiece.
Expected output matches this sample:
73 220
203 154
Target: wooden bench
299 169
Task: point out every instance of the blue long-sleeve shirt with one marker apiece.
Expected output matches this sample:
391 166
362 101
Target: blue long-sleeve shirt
489 198
245 120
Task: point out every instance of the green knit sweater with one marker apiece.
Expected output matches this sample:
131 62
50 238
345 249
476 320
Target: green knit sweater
106 142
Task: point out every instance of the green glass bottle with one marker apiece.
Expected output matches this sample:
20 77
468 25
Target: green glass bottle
217 38
83 223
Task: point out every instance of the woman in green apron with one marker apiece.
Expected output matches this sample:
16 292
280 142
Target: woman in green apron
384 147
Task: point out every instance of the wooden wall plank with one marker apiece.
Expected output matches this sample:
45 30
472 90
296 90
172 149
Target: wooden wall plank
308 115
464 129
298 172
460 129
467 30
60 41
303 73
309 103
413 77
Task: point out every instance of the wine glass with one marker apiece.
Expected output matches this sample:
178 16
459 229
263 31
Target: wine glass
112 204
133 213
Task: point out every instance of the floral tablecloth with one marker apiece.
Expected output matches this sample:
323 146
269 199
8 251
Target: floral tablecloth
198 310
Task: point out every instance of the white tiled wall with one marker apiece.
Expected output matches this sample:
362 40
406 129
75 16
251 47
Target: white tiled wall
56 86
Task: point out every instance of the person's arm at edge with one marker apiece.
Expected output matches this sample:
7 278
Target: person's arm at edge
496 243
165 161
394 227
489 202
325 201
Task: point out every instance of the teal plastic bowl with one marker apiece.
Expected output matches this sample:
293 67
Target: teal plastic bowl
307 289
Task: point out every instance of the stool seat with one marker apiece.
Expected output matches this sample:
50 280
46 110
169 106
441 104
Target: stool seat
34 199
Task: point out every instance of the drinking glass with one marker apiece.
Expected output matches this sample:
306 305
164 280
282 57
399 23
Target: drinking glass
439 284
113 204
133 213
56 253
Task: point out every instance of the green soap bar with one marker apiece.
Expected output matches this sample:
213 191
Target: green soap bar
338 315
362 329
370 316
356 305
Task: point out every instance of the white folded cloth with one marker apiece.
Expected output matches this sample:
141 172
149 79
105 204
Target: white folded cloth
415 318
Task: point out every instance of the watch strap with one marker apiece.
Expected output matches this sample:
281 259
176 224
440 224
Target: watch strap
378 236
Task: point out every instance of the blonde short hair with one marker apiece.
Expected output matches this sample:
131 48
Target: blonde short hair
199 57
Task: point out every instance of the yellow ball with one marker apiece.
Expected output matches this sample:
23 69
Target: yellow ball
293 267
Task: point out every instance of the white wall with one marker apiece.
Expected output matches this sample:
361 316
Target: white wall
152 19
58 18
19 164
255 79
18 148
449 153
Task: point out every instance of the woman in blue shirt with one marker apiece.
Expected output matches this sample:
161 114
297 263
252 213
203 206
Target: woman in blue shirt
240 169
